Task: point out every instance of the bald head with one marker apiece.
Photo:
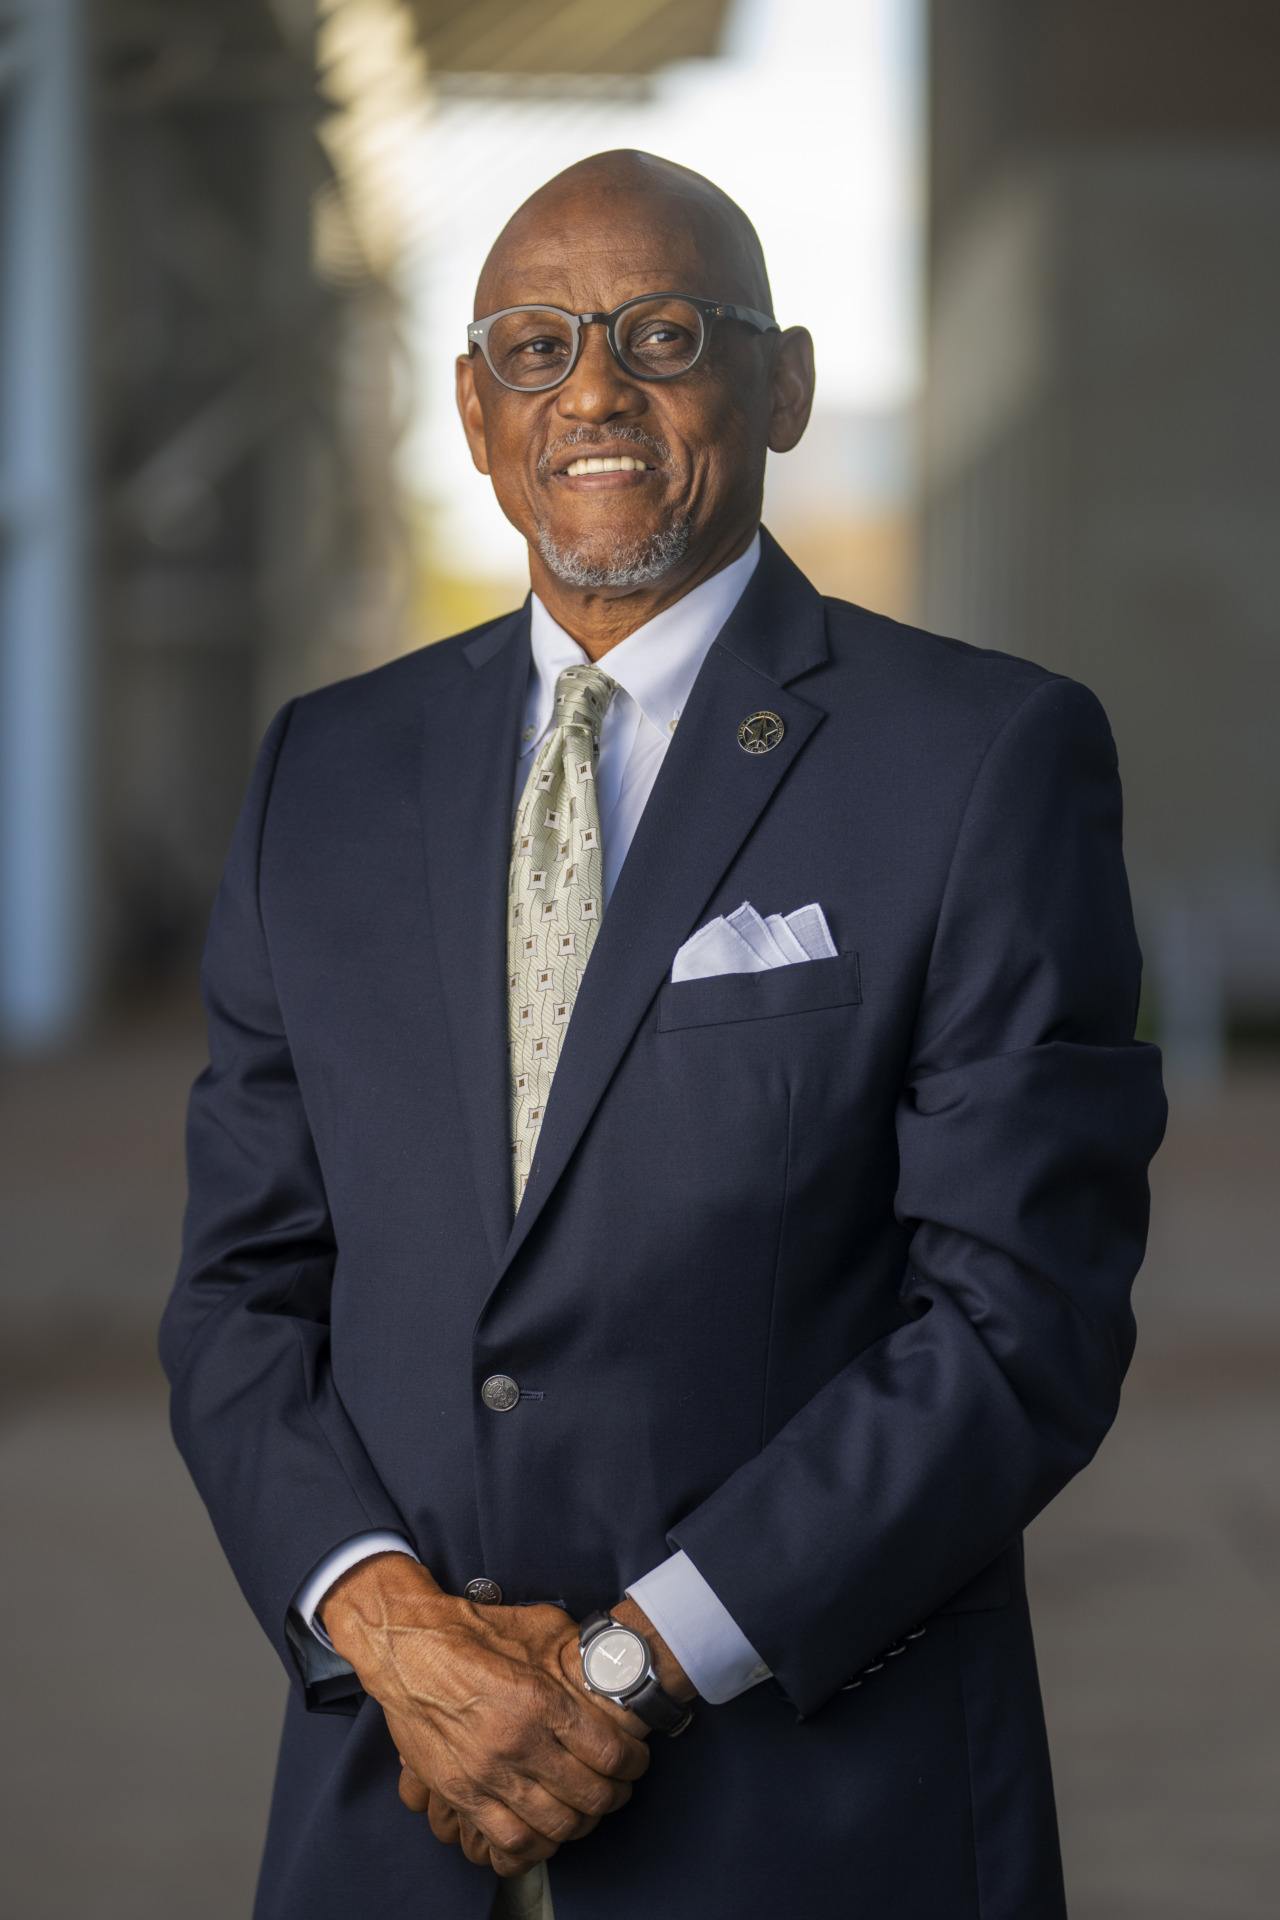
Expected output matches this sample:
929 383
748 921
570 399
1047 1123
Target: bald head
624 215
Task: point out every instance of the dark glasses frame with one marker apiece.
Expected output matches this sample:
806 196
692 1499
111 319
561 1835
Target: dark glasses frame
708 312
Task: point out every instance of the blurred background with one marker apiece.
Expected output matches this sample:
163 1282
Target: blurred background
1036 247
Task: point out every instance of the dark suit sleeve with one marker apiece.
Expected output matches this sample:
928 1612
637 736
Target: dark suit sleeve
1026 1122
244 1338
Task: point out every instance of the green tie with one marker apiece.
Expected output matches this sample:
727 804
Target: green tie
554 908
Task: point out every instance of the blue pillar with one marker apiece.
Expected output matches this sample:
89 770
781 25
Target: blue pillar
46 910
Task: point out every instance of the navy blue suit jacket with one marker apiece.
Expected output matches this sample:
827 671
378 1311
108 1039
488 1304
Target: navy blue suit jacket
823 1274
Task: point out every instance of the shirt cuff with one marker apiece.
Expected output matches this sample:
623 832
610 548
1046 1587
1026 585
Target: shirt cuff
699 1629
325 1675
318 1582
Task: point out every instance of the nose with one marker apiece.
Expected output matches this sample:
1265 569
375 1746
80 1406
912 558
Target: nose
598 388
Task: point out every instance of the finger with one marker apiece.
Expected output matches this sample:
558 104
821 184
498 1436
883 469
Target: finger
561 1797
505 1832
579 1785
414 1793
472 1842
443 1819
506 1865
599 1742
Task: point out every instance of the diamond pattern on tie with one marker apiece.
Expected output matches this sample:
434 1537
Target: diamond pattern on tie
554 904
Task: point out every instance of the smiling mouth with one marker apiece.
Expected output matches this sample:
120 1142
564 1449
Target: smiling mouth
608 473
604 463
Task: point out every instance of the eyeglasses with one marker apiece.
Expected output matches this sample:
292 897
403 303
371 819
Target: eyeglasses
656 336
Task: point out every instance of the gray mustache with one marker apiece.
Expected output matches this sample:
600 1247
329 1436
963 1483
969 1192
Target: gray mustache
584 440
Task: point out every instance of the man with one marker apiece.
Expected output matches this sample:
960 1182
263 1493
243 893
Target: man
757 1307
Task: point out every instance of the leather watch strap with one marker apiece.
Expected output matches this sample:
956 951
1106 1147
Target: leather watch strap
659 1709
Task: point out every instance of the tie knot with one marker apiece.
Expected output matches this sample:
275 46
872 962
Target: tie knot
582 697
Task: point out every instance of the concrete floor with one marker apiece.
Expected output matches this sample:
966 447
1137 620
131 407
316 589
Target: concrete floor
143 1703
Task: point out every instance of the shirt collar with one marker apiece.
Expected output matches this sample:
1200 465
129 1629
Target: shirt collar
656 664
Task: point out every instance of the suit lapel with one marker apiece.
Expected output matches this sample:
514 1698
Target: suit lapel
708 795
471 727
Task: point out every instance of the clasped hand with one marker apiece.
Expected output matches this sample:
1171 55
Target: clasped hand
500 1745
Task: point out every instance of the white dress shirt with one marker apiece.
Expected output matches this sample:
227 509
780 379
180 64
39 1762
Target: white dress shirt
655 668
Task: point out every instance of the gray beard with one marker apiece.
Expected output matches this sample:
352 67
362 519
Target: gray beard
629 566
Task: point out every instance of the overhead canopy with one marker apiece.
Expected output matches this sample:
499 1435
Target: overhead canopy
540 39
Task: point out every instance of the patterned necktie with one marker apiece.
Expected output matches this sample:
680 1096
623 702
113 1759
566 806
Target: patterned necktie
554 905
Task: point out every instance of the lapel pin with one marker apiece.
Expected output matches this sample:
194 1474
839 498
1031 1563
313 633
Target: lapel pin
759 732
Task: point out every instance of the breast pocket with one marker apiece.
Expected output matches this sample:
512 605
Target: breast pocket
802 986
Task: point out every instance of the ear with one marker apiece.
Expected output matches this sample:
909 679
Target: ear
471 412
790 388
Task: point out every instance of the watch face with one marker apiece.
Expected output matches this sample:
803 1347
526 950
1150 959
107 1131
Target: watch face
615 1660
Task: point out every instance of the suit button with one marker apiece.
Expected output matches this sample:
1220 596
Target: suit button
486 1592
500 1392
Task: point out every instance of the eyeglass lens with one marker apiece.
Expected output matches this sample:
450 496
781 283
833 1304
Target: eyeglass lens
533 346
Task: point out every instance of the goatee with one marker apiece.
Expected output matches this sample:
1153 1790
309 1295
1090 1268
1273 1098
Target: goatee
631 563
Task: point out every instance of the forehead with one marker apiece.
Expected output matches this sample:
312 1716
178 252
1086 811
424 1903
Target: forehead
590 257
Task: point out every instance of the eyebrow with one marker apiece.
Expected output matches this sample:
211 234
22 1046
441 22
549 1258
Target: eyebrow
647 283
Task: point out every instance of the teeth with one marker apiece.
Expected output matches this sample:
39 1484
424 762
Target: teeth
618 463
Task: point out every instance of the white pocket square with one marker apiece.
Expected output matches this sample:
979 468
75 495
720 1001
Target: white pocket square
745 942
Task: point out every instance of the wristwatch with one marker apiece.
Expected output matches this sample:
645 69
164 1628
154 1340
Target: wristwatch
617 1662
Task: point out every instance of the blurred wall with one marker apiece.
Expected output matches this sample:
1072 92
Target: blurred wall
1100 469
200 420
